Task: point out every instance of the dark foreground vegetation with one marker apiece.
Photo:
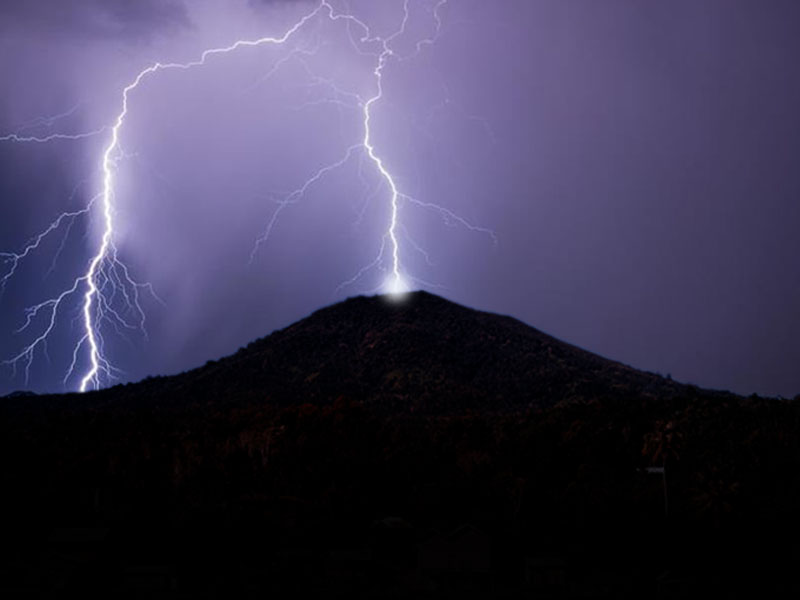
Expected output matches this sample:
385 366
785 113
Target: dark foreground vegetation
169 489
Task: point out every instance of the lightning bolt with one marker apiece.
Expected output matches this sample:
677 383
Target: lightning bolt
397 282
47 121
14 259
97 361
107 285
16 137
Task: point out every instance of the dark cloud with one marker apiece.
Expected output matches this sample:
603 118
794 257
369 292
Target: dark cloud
261 3
637 161
139 19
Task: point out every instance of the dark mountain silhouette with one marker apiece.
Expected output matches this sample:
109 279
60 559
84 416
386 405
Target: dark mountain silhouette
415 449
422 353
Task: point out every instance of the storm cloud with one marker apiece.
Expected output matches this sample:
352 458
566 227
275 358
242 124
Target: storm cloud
140 19
636 161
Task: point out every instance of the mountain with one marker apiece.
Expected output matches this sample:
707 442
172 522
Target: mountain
420 354
414 449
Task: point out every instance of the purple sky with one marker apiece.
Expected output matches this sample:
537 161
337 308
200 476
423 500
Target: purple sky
635 160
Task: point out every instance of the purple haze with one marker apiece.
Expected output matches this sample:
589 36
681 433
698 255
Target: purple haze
637 161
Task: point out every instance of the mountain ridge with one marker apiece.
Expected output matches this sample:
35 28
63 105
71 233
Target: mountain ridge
421 353
325 435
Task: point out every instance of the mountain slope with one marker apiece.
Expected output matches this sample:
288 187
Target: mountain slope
420 354
389 450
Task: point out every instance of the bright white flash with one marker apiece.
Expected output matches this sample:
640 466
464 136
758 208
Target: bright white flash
106 284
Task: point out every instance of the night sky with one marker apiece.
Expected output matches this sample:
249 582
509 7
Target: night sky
625 175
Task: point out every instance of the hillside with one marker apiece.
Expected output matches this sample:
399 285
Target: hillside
423 354
401 450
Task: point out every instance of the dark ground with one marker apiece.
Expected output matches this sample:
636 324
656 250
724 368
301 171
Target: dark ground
415 450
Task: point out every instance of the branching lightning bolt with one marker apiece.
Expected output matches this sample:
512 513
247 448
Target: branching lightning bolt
107 283
396 281
16 137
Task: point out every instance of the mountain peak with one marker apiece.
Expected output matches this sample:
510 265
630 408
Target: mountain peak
419 353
